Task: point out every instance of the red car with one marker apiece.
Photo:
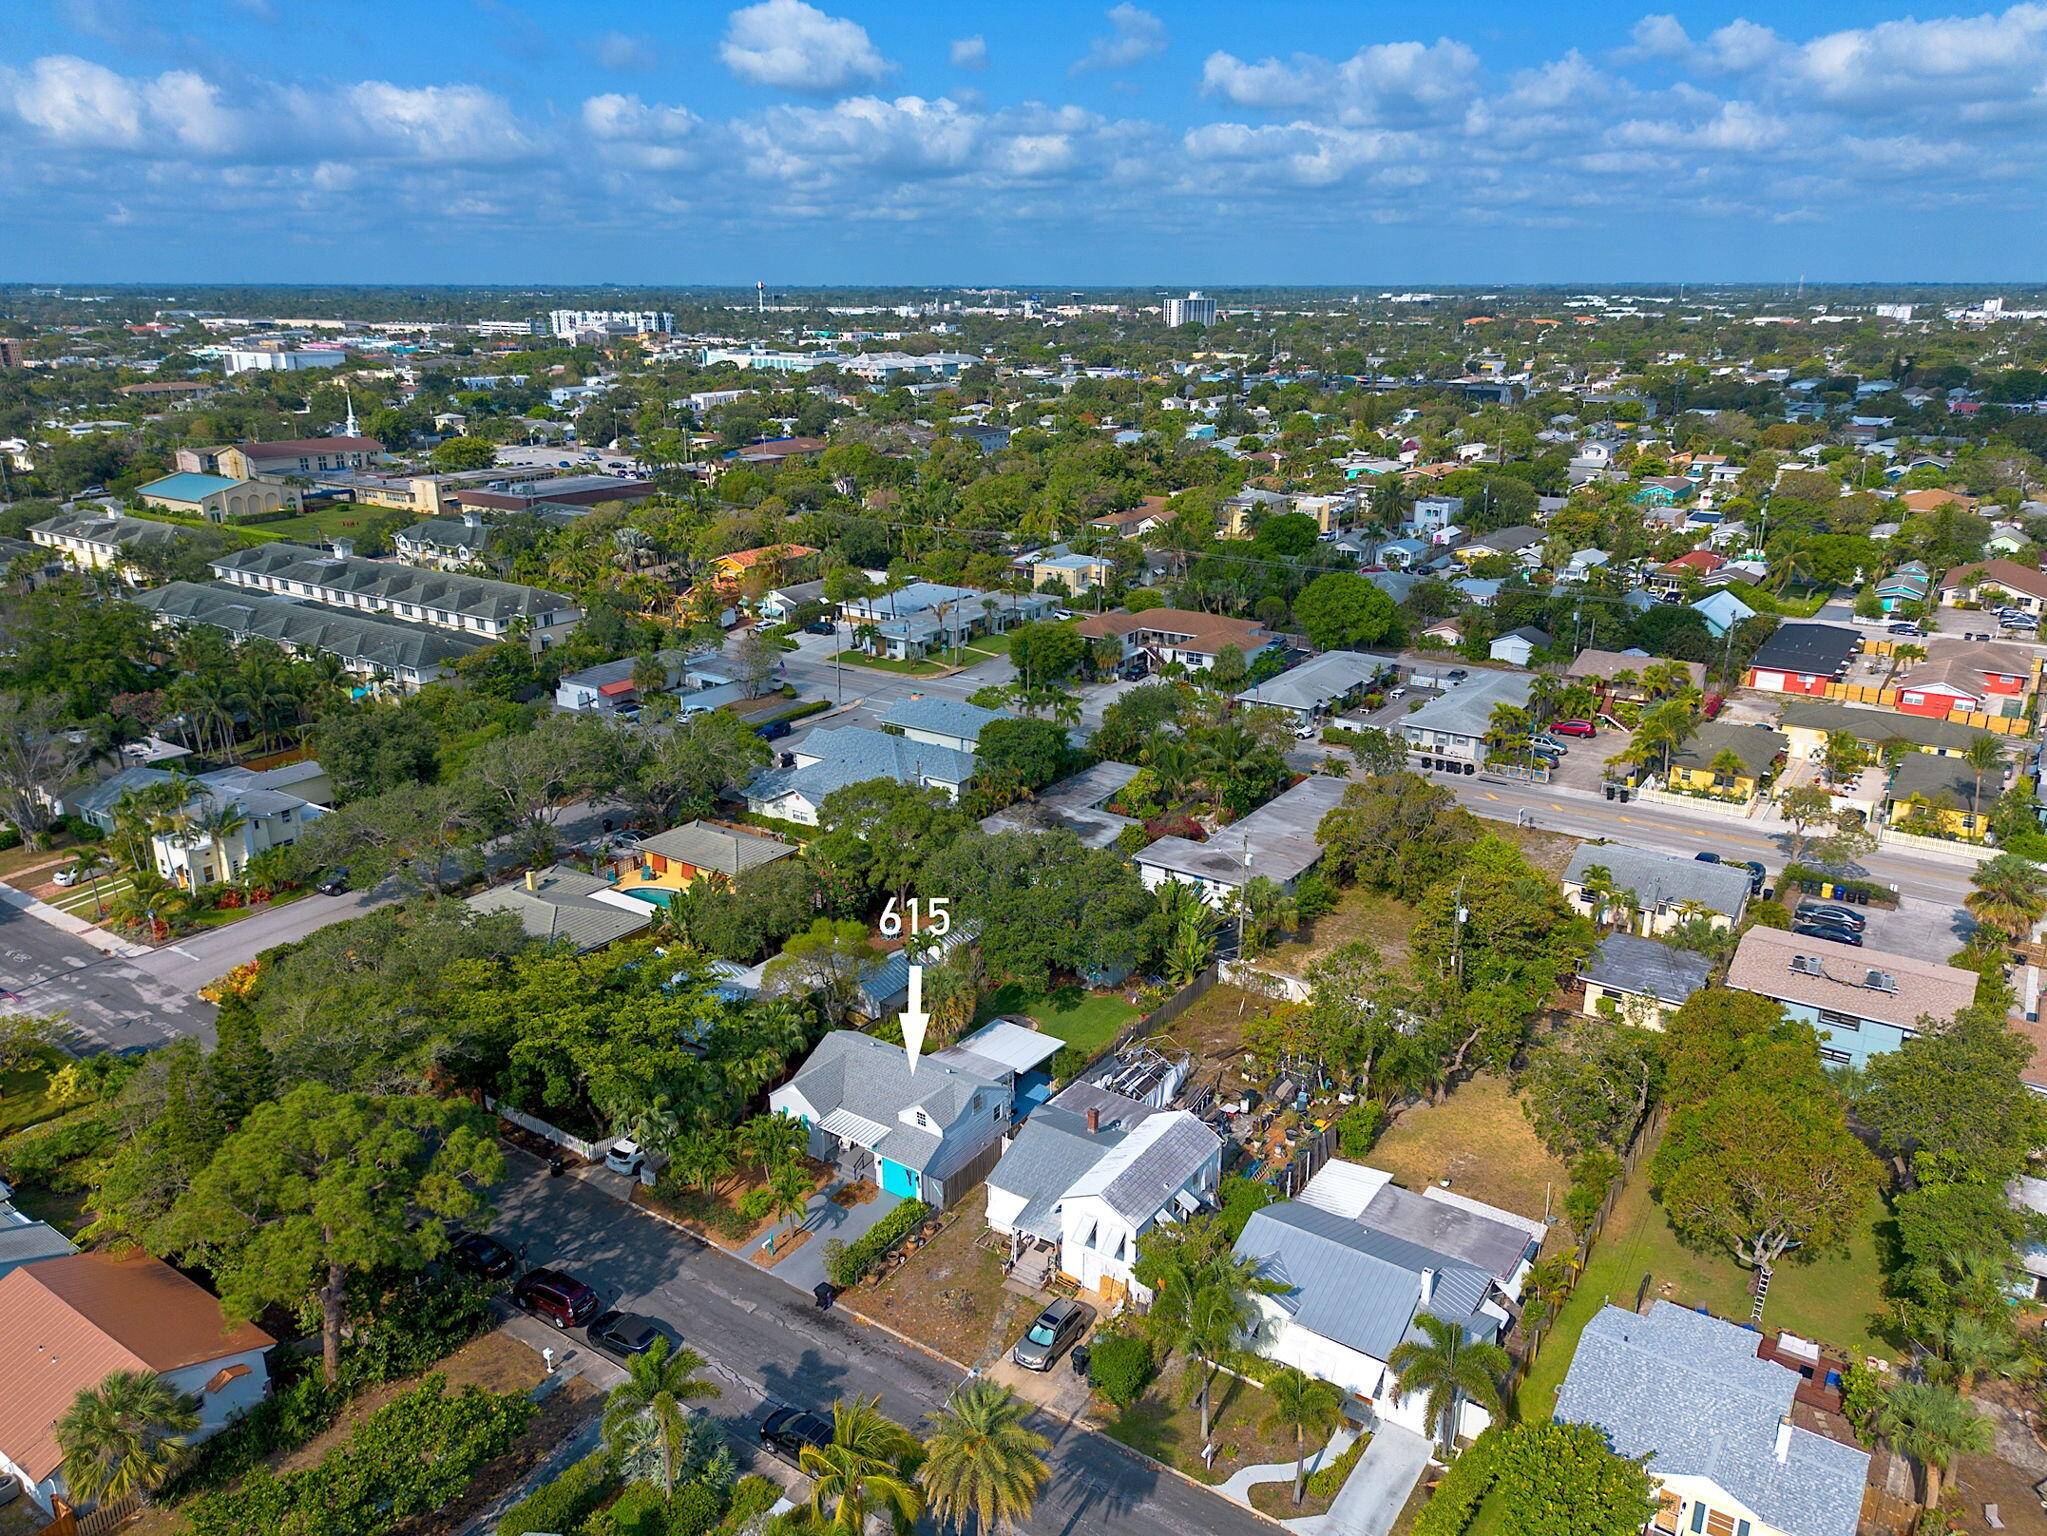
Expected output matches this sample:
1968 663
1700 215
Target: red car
562 1299
1582 728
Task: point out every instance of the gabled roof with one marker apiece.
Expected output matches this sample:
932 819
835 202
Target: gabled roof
853 754
1646 968
67 1322
1139 1174
1819 650
1834 977
1355 1286
1877 726
371 640
872 1079
561 907
1757 746
1689 1392
470 596
1662 879
942 717
2008 574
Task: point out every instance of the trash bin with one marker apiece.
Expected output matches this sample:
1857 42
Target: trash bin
1079 1357
824 1294
557 1166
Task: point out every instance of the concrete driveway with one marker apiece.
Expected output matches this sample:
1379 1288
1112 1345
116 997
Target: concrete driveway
825 1220
1378 1487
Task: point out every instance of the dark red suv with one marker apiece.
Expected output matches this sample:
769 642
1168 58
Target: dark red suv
562 1299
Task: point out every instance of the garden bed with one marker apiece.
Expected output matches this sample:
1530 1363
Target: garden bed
1277 1499
716 1217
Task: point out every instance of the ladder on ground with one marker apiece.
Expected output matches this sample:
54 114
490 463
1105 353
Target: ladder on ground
1755 1314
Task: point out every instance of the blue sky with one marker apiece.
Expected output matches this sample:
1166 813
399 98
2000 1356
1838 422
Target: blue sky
1045 143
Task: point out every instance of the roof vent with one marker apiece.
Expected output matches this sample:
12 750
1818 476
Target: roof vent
1808 965
1880 981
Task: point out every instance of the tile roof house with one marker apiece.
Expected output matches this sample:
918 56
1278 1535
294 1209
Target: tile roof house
1863 1002
1356 1259
1716 1421
1665 885
1087 1176
832 757
928 1135
68 1322
1167 635
571 906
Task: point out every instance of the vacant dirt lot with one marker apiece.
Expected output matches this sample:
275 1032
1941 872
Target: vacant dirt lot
1481 1142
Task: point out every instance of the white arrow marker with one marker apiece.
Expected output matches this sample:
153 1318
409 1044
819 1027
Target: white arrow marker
915 1019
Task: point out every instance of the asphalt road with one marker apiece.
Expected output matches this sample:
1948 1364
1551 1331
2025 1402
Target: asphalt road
111 1004
765 1340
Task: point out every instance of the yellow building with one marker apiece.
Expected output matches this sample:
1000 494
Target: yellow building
1728 762
677 859
1942 797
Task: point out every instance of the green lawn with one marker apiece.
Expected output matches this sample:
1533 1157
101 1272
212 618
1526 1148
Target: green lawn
1086 1020
344 518
1831 1299
991 645
853 658
23 1101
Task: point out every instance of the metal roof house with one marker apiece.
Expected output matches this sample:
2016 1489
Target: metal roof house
1089 1174
1717 1423
564 905
1357 1259
930 1135
1319 684
1072 805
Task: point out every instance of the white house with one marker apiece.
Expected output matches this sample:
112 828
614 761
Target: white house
1089 1174
1357 1259
832 757
66 1323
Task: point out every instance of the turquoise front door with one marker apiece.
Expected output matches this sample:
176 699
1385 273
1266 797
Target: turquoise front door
898 1180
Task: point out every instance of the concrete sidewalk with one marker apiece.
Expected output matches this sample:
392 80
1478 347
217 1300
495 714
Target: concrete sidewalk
824 1220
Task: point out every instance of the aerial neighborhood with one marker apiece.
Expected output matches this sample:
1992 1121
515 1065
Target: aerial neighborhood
1384 912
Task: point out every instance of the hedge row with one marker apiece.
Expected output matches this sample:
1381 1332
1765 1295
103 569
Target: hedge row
849 1263
565 1503
1463 1488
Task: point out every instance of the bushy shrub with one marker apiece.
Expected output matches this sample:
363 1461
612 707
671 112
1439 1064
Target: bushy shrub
1120 1367
1068 1060
565 1503
848 1265
1175 826
1358 1128
695 1510
1457 1497
1238 1197
1592 1175
639 1511
299 1406
755 1204
407 1322
752 1495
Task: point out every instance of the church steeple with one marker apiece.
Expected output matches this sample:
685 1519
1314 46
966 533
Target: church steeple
348 430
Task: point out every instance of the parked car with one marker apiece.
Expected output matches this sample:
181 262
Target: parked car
787 1431
627 1333
625 1156
1584 730
1457 674
1396 693
481 1254
1758 876
1833 933
335 883
1307 730
1057 1328
1911 630
560 1298
772 730
820 627
1707 858
1132 671
71 874
1548 743
1832 913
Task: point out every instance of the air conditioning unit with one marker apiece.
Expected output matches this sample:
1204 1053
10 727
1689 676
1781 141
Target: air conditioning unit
1808 965
1880 981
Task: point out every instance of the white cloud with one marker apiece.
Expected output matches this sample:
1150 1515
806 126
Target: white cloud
79 104
437 122
1737 128
1303 154
970 52
630 133
1135 35
797 47
192 112
1658 37
622 52
1381 82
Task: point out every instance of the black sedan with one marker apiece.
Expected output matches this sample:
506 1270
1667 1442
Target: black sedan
786 1431
481 1254
624 1333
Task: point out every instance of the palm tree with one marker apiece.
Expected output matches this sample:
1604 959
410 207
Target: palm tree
789 1190
124 1436
656 1386
1305 1406
1933 1425
772 1139
1983 755
216 820
2010 896
982 1460
1450 1367
861 1468
702 1158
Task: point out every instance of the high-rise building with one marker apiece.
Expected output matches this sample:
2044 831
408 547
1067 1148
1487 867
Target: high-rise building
1192 310
617 322
10 351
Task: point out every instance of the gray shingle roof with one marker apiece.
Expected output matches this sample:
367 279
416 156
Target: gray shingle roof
1049 1155
872 1078
1492 1246
853 754
1646 968
1348 1283
357 638
1280 836
23 1241
117 530
942 717
1467 709
1316 681
728 851
471 596
1689 1392
562 909
1661 879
